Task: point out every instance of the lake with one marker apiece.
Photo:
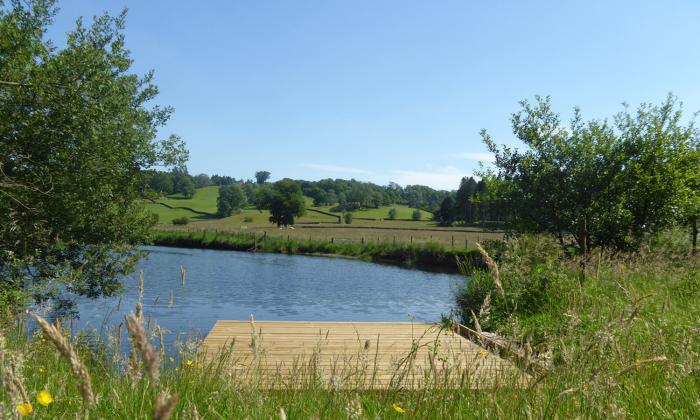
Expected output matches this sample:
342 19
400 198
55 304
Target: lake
234 285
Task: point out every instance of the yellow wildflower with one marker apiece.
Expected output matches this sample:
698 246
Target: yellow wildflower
189 362
25 409
41 370
180 353
44 397
398 408
171 360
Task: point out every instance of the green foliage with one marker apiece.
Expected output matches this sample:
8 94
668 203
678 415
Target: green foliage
348 218
161 182
78 133
231 199
600 184
416 214
445 215
262 176
392 213
183 184
181 221
202 180
285 202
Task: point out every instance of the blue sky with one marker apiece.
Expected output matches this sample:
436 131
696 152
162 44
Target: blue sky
391 90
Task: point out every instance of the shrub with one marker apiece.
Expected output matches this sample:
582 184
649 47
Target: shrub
392 213
348 218
416 215
247 219
181 221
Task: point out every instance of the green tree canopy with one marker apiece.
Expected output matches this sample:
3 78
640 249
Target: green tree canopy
77 135
285 202
262 176
595 182
231 199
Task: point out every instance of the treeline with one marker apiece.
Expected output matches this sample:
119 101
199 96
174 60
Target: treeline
351 195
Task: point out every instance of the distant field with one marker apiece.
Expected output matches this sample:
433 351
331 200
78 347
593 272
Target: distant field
204 200
402 212
318 226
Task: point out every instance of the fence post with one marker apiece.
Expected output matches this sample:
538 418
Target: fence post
394 240
411 238
465 244
363 240
453 241
332 240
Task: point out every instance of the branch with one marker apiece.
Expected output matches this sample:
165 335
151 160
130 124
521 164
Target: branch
16 84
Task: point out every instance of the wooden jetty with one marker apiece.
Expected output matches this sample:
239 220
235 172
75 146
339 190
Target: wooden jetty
353 355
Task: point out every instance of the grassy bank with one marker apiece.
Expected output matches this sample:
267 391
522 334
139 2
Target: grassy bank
621 342
428 255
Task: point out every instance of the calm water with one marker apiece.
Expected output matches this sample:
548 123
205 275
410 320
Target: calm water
233 285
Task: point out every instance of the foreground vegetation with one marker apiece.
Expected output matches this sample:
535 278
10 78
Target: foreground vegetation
621 342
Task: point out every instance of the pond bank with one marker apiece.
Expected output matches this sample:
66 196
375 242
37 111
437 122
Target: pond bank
425 256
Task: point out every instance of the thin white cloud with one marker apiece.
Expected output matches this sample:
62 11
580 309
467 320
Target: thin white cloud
336 169
480 156
444 179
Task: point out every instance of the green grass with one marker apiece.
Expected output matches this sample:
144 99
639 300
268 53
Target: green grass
402 212
624 343
204 200
428 255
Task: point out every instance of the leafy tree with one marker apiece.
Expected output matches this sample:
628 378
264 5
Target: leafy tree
161 182
446 214
183 184
466 210
599 183
202 180
348 218
78 135
262 176
392 213
285 202
231 199
416 215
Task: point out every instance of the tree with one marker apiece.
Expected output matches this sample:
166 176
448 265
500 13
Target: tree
446 214
285 202
231 199
161 182
348 218
78 137
202 180
465 208
392 213
262 176
602 184
416 215
183 184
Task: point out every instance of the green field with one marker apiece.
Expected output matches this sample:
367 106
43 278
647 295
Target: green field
402 212
204 200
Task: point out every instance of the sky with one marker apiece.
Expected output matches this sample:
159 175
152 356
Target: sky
395 90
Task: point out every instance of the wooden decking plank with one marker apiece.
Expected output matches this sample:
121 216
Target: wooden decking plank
359 354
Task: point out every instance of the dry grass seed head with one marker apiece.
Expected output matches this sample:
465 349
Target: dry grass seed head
78 369
151 359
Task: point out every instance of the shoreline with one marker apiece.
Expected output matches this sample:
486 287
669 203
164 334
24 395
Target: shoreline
426 257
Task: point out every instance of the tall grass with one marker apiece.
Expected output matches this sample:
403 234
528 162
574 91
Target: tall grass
420 255
624 343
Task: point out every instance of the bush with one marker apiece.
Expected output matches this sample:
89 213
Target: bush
181 221
247 219
348 218
392 213
416 215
